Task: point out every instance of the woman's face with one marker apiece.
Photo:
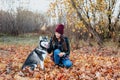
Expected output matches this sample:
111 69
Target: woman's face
57 35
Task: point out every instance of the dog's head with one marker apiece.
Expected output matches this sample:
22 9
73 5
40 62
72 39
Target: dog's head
43 42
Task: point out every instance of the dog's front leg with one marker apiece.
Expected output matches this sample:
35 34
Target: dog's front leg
42 65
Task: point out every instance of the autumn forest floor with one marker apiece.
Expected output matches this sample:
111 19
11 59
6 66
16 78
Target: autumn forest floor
89 63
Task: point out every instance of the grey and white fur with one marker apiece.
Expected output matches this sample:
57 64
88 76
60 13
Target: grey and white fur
37 56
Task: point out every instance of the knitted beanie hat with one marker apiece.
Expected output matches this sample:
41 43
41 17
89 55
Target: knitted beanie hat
60 29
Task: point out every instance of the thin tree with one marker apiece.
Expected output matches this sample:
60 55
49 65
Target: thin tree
88 26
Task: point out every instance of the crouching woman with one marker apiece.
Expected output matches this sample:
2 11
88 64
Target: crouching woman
59 45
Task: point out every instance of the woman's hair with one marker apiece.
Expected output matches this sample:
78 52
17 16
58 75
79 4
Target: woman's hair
62 40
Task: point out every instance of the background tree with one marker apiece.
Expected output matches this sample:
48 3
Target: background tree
19 20
92 16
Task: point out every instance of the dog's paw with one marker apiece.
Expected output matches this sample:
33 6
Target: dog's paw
21 74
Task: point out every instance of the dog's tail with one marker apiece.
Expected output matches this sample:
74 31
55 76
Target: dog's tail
23 66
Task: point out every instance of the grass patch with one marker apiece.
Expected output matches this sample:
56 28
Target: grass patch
33 39
20 40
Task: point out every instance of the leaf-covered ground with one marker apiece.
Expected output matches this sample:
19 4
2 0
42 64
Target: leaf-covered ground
89 63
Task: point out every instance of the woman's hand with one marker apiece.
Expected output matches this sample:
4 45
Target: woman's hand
61 54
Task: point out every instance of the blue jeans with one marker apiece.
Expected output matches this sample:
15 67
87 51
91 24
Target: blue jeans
57 59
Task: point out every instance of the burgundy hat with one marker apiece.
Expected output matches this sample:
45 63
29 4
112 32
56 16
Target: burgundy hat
60 28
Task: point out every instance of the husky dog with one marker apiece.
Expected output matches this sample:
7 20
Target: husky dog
38 55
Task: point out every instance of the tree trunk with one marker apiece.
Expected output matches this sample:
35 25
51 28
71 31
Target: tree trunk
116 12
114 20
88 26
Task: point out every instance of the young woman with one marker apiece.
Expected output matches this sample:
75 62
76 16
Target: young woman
60 47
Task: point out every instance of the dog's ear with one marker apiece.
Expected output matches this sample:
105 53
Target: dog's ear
40 38
47 37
